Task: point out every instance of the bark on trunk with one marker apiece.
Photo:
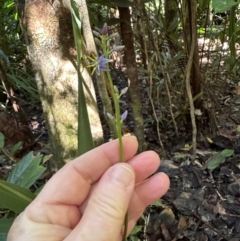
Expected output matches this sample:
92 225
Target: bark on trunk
130 60
48 32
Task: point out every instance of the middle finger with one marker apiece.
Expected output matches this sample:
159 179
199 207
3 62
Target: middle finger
144 165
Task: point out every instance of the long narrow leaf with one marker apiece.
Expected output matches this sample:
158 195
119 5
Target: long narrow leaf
85 141
14 197
4 56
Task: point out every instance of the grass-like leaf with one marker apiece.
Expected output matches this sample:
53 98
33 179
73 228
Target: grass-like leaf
85 141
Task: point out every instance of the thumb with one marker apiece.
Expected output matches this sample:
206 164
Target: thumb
103 217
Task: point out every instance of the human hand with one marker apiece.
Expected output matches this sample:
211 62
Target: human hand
88 198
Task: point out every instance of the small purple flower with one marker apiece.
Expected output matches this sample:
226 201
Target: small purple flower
105 30
124 115
100 64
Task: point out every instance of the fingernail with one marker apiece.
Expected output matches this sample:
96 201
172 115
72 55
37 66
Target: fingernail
122 173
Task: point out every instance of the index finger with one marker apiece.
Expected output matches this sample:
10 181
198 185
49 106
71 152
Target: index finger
72 183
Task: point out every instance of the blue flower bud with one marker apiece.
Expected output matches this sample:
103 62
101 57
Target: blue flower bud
105 29
124 115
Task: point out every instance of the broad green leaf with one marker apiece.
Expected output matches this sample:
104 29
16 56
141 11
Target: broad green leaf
5 224
14 197
227 152
27 171
215 161
223 5
1 140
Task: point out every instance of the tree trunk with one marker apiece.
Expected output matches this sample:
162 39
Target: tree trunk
130 60
47 28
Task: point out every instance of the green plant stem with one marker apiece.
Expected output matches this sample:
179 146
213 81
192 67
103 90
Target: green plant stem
118 123
8 154
119 133
118 116
125 227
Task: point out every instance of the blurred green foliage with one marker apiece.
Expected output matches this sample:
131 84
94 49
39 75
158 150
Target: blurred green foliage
10 31
16 191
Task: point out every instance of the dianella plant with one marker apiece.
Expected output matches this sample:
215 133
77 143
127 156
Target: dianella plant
101 63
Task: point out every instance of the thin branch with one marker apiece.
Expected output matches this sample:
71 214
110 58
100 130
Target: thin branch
188 76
